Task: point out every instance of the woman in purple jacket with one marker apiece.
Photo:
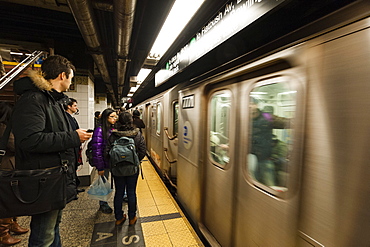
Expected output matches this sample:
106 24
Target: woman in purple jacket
99 142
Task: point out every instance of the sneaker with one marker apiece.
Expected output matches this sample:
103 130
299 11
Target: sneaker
105 209
121 221
132 221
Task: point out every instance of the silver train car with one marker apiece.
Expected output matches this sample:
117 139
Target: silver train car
308 184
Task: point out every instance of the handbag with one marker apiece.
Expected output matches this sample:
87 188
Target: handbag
30 192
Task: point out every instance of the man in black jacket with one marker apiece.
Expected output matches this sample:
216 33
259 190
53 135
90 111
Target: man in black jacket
71 108
43 136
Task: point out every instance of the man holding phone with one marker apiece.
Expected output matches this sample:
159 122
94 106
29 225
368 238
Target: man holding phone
70 106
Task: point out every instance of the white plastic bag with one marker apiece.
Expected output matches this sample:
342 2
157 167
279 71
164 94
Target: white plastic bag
100 189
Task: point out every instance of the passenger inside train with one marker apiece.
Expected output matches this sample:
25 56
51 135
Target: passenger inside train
267 143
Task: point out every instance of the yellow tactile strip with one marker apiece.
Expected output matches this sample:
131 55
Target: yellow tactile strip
163 223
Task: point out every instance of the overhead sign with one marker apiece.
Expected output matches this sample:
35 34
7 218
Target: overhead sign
234 17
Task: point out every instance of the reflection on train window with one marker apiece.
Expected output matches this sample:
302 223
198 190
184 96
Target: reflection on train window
175 118
272 109
159 114
219 132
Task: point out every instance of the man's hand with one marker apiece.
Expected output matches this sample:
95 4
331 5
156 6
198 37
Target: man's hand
84 136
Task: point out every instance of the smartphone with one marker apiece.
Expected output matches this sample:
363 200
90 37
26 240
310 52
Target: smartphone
89 130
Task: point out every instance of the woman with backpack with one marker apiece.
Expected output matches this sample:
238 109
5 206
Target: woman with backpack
99 145
127 179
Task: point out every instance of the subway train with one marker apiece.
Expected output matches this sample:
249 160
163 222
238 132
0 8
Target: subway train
274 151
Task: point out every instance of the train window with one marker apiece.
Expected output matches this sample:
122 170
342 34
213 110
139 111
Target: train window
272 109
220 104
175 118
159 114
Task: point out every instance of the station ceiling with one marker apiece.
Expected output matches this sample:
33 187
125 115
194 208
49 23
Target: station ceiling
110 39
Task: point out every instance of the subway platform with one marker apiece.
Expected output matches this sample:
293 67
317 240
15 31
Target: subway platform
161 221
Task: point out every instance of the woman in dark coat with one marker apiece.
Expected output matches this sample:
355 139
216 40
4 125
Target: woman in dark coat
127 183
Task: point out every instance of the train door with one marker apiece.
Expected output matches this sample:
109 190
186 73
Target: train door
156 140
267 194
148 124
170 140
220 164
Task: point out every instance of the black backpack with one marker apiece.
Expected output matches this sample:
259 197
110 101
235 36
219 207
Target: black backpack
123 158
89 153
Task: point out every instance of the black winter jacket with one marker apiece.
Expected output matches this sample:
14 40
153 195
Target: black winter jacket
41 129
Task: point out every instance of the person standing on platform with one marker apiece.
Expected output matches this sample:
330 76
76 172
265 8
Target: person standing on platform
127 183
98 144
96 119
137 121
43 134
71 108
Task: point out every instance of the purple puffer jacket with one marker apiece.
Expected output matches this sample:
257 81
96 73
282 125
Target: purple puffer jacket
98 145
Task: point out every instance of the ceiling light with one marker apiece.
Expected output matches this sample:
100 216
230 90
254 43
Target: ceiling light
182 11
143 73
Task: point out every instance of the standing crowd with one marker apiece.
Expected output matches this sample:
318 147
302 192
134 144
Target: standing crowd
44 134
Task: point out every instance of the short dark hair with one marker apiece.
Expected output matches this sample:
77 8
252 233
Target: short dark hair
54 65
125 119
136 113
69 102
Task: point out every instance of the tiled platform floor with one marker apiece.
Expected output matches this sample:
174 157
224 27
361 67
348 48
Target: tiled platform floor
161 221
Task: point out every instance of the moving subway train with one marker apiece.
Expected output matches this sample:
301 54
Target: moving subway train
274 151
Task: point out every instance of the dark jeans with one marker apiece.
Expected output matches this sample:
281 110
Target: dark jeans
121 184
45 229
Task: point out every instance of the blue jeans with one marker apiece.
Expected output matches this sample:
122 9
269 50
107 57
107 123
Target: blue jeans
106 175
45 229
121 184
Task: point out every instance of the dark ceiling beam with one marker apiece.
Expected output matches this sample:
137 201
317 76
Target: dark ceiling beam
123 19
83 13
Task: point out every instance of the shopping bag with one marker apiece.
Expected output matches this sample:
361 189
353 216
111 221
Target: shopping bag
100 189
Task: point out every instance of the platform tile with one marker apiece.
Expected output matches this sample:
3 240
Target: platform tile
161 240
167 209
182 238
174 225
153 228
148 211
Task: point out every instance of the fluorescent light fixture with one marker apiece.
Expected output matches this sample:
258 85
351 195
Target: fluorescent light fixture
143 73
182 11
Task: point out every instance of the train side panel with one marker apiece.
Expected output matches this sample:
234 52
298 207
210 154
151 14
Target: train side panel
336 186
191 117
